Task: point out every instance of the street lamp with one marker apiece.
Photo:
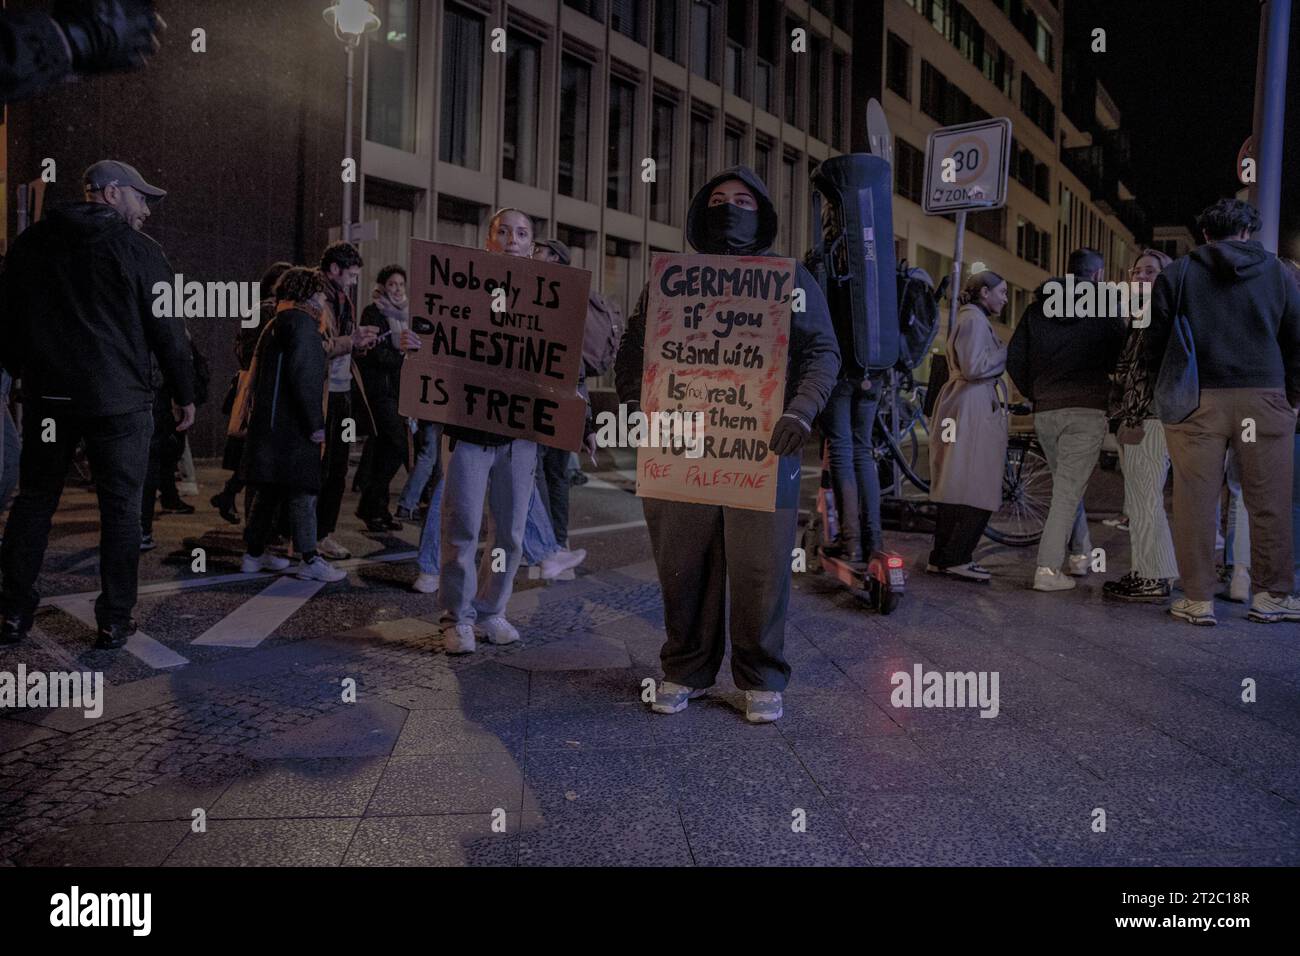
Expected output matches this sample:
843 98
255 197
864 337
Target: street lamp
351 19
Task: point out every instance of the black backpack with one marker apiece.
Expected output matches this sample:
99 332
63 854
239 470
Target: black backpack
918 315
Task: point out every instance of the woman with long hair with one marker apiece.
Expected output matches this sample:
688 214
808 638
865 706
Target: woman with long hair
1143 455
968 447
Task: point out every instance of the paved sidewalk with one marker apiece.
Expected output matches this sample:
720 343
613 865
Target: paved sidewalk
545 754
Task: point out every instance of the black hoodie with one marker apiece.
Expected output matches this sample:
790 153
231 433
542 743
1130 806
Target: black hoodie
814 360
1064 361
77 314
1244 312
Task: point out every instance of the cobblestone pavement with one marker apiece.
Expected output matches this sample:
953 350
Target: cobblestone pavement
544 753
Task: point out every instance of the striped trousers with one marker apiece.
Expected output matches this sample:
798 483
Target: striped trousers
1146 467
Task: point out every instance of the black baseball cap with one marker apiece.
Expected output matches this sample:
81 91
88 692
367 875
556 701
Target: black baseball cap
111 172
560 250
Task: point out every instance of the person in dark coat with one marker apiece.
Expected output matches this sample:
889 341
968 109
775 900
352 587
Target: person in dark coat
702 551
381 374
245 343
286 426
81 332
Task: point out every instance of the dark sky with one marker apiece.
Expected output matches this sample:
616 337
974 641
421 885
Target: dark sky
1183 74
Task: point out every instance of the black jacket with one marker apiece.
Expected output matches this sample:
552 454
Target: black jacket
381 366
1244 312
1064 361
814 356
77 314
33 54
287 391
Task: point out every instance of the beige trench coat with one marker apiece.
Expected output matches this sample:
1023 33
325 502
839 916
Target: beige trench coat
968 470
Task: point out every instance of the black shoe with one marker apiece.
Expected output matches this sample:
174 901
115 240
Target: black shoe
391 523
1133 588
377 525
578 478
113 636
13 630
177 507
225 507
147 542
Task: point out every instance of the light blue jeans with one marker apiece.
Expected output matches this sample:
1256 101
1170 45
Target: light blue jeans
539 533
505 473
429 437
431 531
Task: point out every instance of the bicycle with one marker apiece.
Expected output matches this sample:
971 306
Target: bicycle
1026 479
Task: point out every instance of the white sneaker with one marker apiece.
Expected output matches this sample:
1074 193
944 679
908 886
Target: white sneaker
1194 612
763 706
459 638
265 562
331 549
671 698
1267 609
1078 565
498 630
556 564
1050 579
1239 585
426 583
318 569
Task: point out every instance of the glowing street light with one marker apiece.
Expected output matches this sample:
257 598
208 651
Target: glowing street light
351 20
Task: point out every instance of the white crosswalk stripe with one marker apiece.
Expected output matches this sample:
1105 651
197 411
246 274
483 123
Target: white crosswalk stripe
154 653
253 621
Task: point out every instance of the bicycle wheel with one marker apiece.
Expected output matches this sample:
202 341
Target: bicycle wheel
906 456
1026 497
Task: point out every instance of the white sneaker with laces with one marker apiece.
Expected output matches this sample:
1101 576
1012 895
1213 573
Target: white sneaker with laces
1194 612
1050 579
1078 565
1267 609
426 583
671 698
331 549
318 569
459 638
762 706
553 565
498 630
264 562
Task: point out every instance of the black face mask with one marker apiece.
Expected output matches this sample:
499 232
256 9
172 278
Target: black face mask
730 229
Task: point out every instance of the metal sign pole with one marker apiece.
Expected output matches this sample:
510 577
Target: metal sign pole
954 287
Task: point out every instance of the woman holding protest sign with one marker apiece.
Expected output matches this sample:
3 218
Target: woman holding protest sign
703 550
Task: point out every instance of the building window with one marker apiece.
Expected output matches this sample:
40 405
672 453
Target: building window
666 29
622 102
844 15
702 26
898 67
462 88
909 171
839 96
1034 245
625 18
944 101
817 53
1035 104
664 121
763 162
619 255
701 133
989 223
792 66
732 146
459 222
790 192
523 104
997 67
737 42
592 8
575 112
391 83
765 60
580 243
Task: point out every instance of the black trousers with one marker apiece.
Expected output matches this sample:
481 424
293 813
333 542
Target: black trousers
117 447
553 486
334 465
387 449
956 534
704 552
166 446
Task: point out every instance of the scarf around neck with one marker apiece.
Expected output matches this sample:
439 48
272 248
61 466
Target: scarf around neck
398 316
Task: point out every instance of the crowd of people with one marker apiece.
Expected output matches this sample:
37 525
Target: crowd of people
314 377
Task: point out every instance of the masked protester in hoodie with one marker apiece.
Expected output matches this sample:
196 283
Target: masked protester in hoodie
1062 361
1244 314
80 332
701 550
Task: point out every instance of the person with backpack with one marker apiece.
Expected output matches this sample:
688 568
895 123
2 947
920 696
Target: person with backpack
1061 359
1236 356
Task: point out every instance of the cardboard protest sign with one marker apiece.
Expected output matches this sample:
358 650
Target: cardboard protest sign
501 344
716 343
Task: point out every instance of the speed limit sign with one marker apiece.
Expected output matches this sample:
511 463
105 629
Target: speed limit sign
966 166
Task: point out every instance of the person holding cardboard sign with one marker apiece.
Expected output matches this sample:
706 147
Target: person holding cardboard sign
702 550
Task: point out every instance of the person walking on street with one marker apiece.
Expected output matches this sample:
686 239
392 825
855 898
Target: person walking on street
1062 361
705 552
286 426
970 409
80 331
1143 456
341 264
1243 311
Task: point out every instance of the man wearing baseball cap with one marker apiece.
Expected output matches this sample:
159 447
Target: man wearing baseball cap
77 326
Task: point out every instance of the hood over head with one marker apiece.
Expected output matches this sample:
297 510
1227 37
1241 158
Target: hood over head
1233 259
86 222
697 233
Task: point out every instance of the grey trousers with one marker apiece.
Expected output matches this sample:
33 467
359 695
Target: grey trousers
505 474
704 551
1146 466
1071 440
